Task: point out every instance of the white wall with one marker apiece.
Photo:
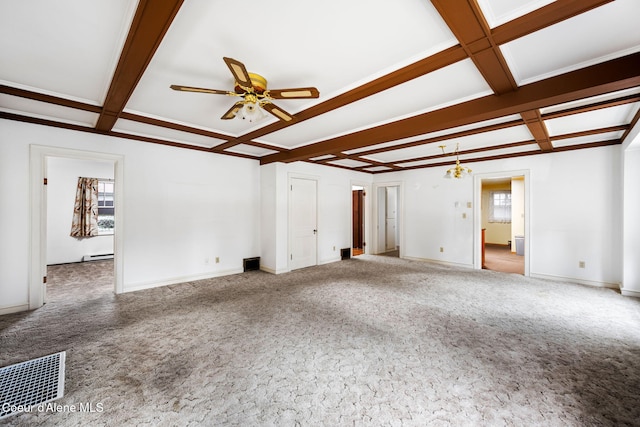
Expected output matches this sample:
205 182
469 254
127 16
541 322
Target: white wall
334 211
517 210
62 179
182 208
574 214
631 230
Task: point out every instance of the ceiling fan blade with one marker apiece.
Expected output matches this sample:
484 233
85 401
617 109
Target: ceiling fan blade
277 111
295 93
239 72
200 89
232 111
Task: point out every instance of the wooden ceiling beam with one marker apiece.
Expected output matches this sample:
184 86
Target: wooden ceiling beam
546 16
50 99
629 99
427 65
150 23
619 128
481 44
468 24
446 137
634 122
610 76
170 125
520 154
538 129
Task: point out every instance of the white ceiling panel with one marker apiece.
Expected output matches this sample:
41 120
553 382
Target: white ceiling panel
374 38
602 118
470 157
349 50
567 142
43 110
528 148
68 48
456 83
497 137
349 163
605 33
144 129
450 131
498 12
250 150
588 101
325 157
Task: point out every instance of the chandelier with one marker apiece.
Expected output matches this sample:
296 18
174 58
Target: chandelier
457 171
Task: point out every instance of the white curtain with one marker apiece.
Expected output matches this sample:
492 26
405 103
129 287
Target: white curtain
500 206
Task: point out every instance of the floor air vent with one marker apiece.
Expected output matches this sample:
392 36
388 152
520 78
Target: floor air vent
25 385
251 264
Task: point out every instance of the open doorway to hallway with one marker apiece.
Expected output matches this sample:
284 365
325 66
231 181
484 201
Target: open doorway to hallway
503 224
358 205
388 220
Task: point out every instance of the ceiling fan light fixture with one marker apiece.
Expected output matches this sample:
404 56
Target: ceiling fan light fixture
252 89
258 84
251 112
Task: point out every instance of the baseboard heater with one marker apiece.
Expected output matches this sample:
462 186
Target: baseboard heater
96 257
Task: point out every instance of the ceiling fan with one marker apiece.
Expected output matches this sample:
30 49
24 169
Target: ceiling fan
252 88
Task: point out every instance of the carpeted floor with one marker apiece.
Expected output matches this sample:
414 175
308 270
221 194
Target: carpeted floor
368 341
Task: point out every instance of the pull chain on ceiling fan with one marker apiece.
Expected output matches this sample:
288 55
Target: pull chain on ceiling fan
252 88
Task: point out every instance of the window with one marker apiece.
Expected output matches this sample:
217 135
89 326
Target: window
500 206
106 208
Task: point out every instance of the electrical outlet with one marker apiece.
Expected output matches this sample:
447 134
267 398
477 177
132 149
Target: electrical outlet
441 249
217 259
464 215
581 264
334 248
469 205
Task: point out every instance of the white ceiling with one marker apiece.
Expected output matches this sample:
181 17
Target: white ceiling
57 53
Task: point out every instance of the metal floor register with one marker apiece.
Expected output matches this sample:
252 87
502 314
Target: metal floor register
31 383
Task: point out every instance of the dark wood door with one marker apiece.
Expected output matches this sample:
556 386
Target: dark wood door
358 212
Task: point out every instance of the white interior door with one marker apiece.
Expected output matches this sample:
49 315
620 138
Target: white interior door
391 217
303 223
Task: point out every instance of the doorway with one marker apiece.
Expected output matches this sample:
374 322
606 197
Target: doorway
72 254
358 204
502 222
39 156
388 219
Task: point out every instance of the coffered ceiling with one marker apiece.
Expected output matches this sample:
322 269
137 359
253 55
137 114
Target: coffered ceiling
498 78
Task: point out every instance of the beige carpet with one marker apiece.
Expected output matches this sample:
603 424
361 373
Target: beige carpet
500 258
368 341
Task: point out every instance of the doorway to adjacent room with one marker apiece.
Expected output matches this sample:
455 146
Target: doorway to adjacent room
388 214
501 208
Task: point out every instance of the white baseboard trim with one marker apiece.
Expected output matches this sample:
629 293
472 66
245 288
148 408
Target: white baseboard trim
14 309
594 283
329 261
272 271
175 280
436 261
630 293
